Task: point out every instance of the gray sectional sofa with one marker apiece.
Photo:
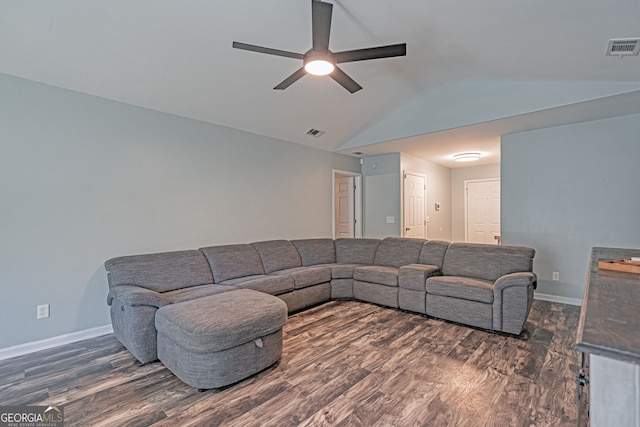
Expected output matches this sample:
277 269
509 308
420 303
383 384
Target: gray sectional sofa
485 286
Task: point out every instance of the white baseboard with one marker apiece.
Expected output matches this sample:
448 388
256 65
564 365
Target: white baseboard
559 299
31 347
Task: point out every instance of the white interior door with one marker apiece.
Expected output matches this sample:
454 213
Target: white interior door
482 206
415 188
344 206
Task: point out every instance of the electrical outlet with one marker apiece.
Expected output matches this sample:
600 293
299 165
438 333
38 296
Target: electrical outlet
556 276
43 311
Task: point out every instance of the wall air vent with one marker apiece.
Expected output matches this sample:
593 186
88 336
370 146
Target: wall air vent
623 47
314 132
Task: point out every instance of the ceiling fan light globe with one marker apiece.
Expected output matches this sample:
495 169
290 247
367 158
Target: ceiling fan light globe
319 67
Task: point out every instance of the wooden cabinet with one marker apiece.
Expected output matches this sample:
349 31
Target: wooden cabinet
609 334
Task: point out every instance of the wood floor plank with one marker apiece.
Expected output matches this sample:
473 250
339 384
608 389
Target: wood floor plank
332 414
312 398
221 409
344 364
554 398
469 398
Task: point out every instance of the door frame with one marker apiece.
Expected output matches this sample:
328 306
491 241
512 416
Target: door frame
426 194
466 198
357 201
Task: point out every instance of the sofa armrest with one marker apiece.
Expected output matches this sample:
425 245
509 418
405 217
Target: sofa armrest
515 279
136 295
513 296
414 276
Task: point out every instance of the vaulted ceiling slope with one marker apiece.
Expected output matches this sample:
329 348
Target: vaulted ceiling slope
470 67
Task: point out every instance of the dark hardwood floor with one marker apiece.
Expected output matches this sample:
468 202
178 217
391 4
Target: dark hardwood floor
343 364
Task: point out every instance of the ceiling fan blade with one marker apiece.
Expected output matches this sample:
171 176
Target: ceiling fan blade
321 25
345 81
371 53
267 50
291 79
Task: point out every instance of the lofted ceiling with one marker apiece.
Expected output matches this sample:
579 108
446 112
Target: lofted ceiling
176 57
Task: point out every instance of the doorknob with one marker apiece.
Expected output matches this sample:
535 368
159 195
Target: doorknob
407 229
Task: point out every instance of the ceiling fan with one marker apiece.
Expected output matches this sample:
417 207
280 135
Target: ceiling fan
319 60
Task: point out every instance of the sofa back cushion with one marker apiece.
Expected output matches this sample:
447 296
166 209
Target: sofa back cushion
233 261
488 262
398 251
356 251
277 255
316 251
160 272
432 253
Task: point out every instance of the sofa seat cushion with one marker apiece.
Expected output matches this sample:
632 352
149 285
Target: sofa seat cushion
387 276
274 285
461 287
414 276
241 316
304 277
186 294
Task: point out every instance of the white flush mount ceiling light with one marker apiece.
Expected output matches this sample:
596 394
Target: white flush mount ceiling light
466 157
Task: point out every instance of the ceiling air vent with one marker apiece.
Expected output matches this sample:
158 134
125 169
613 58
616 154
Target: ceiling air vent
314 132
623 47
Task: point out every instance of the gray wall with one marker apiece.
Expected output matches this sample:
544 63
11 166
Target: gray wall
458 177
83 179
567 189
382 176
381 186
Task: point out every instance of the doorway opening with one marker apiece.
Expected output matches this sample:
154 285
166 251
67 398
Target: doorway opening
347 204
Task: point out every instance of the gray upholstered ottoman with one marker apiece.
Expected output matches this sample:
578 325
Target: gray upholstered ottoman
218 340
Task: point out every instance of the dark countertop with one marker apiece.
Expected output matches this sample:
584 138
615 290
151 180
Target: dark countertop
610 316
